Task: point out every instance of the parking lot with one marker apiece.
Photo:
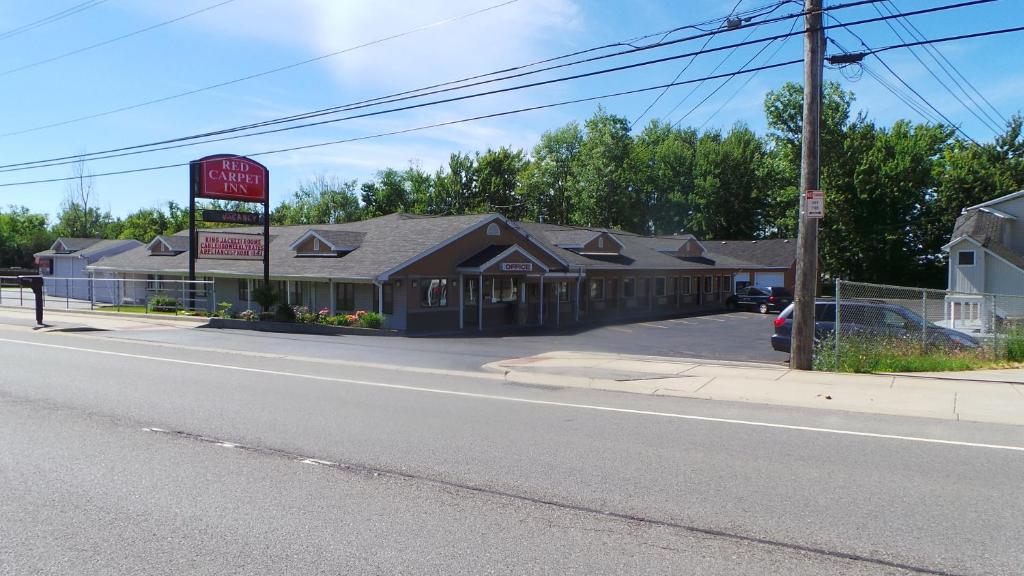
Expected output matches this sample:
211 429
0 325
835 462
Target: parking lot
731 336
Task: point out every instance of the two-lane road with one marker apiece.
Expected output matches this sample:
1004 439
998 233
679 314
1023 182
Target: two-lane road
130 457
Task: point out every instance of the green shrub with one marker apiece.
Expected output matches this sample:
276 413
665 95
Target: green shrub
224 310
371 320
265 297
161 302
1015 344
284 313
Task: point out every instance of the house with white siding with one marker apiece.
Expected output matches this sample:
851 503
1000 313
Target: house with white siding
986 256
63 265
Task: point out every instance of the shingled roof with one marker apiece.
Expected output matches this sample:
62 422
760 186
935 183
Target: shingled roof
986 228
770 253
86 247
387 242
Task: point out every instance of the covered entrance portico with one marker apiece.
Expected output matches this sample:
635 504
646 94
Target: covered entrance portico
501 286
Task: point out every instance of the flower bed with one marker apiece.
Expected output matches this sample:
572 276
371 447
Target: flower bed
303 315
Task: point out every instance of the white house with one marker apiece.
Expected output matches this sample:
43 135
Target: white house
986 256
63 265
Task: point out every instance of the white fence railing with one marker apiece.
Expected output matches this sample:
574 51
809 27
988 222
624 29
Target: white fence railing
140 295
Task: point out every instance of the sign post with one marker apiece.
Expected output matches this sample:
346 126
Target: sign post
237 179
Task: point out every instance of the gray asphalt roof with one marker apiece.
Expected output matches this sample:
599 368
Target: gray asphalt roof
635 254
86 247
770 253
388 241
986 229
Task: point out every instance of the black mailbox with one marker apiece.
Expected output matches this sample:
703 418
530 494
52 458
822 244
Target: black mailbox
36 284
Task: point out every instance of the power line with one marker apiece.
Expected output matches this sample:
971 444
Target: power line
685 68
986 122
417 128
111 40
629 42
100 154
51 18
908 25
747 81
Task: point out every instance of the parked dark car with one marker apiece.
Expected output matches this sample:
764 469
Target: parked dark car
871 318
761 298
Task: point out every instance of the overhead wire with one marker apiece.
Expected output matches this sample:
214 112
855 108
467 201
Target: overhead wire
112 40
406 130
747 80
628 42
682 71
987 122
946 65
100 154
51 18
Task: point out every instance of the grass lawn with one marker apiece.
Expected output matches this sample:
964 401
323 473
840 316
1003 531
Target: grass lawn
132 310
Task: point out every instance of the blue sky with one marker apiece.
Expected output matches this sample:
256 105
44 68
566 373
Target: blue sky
245 37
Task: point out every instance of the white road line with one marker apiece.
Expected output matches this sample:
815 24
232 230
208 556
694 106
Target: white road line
617 329
501 398
649 325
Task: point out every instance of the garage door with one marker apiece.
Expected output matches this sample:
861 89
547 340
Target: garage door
769 279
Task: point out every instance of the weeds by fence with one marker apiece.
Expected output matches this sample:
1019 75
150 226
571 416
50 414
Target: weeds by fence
878 328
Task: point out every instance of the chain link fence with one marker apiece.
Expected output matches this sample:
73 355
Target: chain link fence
868 327
145 296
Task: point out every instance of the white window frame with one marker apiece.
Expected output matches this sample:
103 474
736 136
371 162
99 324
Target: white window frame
709 284
594 282
688 282
316 244
563 291
974 258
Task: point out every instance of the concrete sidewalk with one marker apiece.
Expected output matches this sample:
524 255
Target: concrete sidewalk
995 396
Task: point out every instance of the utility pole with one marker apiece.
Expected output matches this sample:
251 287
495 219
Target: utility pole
802 348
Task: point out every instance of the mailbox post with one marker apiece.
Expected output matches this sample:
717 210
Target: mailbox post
36 284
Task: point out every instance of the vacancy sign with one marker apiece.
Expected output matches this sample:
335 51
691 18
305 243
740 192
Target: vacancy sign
226 177
814 204
230 246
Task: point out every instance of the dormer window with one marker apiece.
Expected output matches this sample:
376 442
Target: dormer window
327 243
600 242
316 244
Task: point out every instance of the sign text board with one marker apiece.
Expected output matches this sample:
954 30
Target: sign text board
229 217
814 204
226 177
516 267
230 246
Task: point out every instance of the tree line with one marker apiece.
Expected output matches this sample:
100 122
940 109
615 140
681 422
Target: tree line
893 192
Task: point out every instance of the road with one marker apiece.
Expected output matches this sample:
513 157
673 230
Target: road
127 456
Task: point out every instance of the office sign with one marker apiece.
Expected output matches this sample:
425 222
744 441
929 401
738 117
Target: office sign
230 246
814 204
229 217
227 177
516 267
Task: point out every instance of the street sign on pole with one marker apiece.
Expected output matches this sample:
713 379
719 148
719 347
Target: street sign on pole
814 204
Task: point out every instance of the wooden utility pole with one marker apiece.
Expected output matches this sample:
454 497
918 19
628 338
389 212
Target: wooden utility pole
802 344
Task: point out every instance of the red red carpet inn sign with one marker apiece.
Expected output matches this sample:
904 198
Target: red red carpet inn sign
232 178
230 246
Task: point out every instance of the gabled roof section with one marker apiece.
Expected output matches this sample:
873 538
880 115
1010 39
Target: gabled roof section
69 245
335 240
995 201
168 244
86 247
494 254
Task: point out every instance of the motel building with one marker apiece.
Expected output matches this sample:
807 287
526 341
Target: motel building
470 273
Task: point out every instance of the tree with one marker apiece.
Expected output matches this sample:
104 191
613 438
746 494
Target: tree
549 181
78 217
497 178
388 193
22 234
454 190
604 198
661 176
320 200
